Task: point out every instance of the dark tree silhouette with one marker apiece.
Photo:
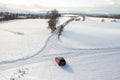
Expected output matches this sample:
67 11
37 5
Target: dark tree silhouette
61 27
83 18
53 19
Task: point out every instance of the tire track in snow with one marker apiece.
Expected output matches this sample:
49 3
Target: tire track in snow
62 50
28 57
104 48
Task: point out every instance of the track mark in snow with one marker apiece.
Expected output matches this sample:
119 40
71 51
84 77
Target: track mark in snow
59 50
18 33
19 74
28 57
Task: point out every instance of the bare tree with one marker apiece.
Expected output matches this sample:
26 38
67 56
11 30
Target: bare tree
53 19
61 27
83 18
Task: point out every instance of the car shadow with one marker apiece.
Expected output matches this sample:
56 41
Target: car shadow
67 68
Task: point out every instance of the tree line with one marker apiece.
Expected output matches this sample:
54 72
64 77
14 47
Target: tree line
4 16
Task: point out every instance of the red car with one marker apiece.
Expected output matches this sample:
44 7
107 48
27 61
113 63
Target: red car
60 61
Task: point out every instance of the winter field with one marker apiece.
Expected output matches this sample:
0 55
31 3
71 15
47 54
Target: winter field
91 49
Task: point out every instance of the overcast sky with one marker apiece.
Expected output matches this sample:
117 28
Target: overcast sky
60 4
64 3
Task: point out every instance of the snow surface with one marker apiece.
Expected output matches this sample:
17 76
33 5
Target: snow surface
21 38
91 49
91 34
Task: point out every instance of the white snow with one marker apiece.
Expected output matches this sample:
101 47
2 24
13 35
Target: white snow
91 34
91 49
21 38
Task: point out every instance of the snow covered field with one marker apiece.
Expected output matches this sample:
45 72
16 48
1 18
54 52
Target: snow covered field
92 34
91 49
21 38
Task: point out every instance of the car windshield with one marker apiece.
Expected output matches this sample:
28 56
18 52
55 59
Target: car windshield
62 59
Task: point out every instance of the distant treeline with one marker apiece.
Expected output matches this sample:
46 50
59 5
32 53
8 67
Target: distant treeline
4 16
115 16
